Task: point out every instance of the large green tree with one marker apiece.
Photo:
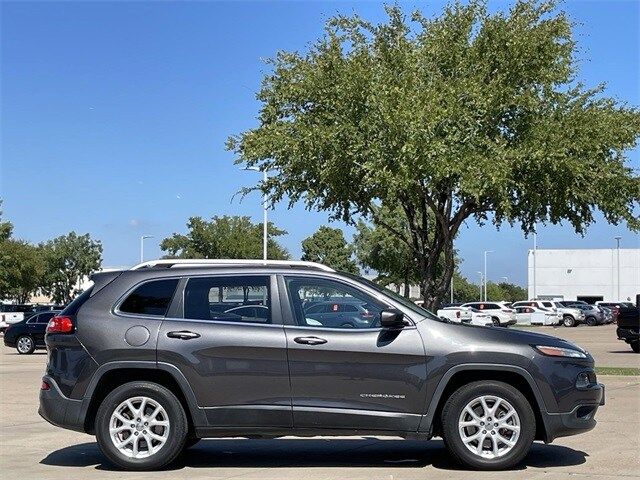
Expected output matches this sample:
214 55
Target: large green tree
69 259
224 237
328 246
469 116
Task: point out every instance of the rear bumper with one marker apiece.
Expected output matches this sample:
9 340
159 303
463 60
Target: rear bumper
579 420
59 410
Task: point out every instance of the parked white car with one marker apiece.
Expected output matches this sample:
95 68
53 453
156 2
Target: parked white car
10 314
501 314
527 315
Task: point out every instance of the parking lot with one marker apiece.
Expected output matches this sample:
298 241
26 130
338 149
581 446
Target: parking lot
31 448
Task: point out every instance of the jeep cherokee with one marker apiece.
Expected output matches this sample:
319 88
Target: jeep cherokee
152 359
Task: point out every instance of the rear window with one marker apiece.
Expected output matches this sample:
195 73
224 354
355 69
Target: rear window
77 302
150 298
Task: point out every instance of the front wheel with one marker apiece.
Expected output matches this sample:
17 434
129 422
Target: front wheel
569 321
488 425
25 345
141 426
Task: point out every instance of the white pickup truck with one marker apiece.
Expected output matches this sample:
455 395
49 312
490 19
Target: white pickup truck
11 313
468 315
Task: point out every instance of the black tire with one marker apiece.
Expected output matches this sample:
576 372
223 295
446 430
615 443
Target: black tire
496 321
591 321
347 325
25 345
569 321
178 426
461 398
635 346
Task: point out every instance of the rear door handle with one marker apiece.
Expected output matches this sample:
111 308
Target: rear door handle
310 340
183 335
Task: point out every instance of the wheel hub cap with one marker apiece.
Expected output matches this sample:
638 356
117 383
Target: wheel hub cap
489 426
139 427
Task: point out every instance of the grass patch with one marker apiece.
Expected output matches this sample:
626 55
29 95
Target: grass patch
631 371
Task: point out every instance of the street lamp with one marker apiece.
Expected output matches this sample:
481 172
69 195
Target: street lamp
617 239
142 239
506 279
264 213
485 273
535 250
481 281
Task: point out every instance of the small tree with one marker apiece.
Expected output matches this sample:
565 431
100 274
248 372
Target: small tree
22 270
224 237
69 259
328 246
469 116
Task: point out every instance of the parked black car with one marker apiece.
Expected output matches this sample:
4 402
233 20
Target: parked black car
27 335
629 325
146 361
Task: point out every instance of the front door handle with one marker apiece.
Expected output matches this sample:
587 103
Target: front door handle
310 340
183 335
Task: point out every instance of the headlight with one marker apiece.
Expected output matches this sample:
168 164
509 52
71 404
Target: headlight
560 352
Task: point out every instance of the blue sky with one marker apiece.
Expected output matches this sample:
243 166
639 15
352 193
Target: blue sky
114 117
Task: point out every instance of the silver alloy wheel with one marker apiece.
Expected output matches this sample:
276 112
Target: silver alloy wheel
139 427
489 426
25 344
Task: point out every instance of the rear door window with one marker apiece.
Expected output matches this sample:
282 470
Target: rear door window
228 299
150 298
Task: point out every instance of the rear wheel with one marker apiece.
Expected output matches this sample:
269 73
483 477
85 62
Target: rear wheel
635 346
591 321
568 321
25 345
488 425
141 426
496 321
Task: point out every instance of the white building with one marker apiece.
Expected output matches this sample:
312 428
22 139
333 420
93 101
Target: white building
585 274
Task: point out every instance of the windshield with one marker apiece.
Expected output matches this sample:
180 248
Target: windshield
423 312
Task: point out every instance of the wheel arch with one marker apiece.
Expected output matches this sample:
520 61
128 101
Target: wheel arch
460 375
114 374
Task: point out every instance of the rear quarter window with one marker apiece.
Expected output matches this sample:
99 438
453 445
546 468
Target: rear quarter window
77 302
150 298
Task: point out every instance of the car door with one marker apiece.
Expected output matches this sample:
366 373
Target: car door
235 364
351 377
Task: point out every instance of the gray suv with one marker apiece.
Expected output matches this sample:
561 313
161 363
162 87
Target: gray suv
152 359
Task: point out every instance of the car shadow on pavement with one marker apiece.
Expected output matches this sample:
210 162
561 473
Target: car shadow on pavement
366 452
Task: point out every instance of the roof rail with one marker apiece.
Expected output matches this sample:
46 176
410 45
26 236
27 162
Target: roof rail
183 262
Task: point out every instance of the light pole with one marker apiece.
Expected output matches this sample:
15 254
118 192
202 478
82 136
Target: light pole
452 288
481 282
264 213
618 261
535 241
142 239
485 273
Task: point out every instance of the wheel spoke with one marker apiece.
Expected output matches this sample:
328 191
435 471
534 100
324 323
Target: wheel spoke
472 437
480 446
473 414
496 404
471 423
485 407
119 429
494 441
156 437
507 442
159 423
136 440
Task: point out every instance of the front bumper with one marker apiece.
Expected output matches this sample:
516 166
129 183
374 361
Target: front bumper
579 420
59 410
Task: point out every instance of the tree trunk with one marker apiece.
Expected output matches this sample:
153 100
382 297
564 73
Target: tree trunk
407 286
434 285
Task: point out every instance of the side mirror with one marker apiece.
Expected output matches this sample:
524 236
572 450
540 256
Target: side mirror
391 318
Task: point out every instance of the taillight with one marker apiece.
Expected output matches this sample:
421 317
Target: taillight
60 324
44 386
